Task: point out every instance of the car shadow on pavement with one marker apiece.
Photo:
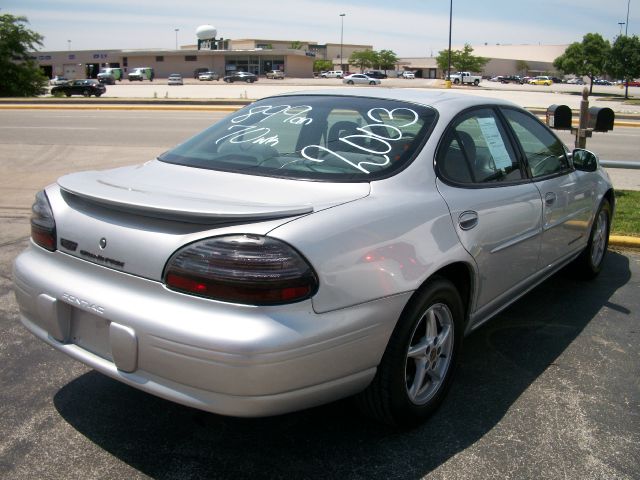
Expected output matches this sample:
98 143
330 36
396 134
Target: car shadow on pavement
500 361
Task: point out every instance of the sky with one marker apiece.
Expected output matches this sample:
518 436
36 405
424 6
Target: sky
411 28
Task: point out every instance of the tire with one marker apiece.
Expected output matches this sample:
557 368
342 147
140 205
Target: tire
589 264
86 93
68 94
418 364
98 94
476 82
372 83
456 81
349 82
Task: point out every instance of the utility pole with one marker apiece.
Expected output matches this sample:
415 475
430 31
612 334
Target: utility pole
450 24
342 15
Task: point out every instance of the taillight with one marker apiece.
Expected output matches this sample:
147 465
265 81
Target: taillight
43 225
248 269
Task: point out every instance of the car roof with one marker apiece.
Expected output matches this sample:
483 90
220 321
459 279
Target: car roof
439 99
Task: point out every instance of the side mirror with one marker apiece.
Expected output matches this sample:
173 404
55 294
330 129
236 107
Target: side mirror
584 160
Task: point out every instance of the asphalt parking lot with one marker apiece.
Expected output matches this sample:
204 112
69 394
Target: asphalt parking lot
549 389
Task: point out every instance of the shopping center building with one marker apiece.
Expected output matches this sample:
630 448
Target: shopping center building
223 56
295 58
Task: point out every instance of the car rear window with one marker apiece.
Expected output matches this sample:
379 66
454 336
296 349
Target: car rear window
317 137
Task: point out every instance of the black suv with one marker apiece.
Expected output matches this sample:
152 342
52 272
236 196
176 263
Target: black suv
511 79
375 74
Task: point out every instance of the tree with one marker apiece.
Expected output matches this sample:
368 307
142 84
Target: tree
297 45
387 60
467 62
625 60
461 60
364 59
320 65
21 75
522 66
587 58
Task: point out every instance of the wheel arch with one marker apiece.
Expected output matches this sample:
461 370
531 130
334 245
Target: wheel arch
610 196
461 275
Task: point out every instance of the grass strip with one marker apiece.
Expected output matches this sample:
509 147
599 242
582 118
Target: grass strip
627 217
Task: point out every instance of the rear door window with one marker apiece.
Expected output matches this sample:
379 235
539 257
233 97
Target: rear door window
476 150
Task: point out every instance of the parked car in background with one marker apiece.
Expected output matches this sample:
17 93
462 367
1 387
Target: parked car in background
360 78
275 74
541 80
497 78
575 81
602 81
632 83
465 78
511 79
109 75
558 80
333 74
198 71
376 74
241 77
350 257
208 76
408 74
86 88
59 80
175 79
141 73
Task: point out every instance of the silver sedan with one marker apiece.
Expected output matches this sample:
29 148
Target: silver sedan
360 78
311 247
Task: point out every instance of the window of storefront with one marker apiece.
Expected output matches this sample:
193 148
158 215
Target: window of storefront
272 63
244 63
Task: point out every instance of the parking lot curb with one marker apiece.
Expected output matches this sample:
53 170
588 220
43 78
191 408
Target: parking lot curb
105 106
625 120
624 241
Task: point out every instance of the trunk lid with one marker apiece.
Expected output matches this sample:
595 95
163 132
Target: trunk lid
134 218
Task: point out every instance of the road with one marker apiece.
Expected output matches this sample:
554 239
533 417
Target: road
548 389
44 144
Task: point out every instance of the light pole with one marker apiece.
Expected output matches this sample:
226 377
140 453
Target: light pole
69 45
621 24
450 23
626 27
176 30
342 15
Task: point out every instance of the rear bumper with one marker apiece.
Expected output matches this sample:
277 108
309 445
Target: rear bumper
228 359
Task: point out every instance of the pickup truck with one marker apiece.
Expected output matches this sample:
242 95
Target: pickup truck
465 77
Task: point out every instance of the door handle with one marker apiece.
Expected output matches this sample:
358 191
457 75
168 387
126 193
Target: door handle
467 220
550 199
